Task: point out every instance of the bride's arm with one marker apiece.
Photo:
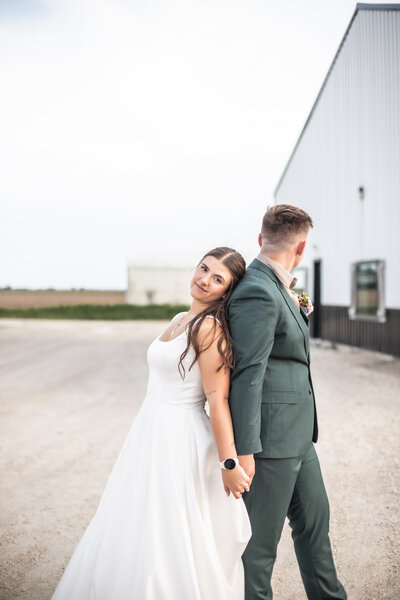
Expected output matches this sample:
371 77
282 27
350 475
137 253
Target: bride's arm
216 389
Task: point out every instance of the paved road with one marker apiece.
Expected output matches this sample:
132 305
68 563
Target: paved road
69 391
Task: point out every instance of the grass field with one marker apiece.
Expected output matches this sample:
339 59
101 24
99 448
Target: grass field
118 312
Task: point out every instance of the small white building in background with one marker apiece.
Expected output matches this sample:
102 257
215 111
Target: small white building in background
345 172
158 285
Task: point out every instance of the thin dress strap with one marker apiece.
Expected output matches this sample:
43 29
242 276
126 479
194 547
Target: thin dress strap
184 312
212 317
169 325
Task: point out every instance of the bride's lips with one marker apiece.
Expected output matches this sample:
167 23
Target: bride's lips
200 288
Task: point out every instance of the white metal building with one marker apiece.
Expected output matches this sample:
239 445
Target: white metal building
158 285
345 172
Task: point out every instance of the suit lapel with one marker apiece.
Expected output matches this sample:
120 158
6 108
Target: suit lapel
301 319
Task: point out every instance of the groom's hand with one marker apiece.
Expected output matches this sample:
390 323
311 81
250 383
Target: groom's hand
246 461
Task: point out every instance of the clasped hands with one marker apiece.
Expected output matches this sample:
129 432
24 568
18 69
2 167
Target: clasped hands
239 479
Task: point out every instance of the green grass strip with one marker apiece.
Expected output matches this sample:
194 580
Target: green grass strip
117 312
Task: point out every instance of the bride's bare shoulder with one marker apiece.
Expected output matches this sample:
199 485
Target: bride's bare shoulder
209 331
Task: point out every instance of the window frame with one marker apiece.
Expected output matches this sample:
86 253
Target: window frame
380 316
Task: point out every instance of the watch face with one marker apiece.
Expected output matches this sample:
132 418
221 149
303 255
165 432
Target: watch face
230 464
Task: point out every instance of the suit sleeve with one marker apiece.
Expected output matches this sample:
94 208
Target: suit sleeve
252 323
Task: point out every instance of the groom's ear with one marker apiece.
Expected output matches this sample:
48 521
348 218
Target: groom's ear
301 247
260 240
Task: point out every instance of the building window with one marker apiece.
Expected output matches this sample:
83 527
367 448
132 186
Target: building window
150 296
301 274
368 290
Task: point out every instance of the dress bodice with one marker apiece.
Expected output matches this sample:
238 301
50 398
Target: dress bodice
165 384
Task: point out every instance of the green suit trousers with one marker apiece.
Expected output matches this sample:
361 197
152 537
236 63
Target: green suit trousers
291 487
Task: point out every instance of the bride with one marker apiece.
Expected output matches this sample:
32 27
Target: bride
171 524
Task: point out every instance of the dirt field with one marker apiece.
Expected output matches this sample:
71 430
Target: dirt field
36 298
69 391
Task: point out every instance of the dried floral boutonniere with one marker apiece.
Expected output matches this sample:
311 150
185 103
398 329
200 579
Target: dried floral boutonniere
304 300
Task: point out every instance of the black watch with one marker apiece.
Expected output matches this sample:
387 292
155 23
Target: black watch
229 463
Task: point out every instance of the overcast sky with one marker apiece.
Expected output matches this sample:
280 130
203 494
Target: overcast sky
148 130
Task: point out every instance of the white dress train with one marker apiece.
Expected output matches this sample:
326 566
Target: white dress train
164 528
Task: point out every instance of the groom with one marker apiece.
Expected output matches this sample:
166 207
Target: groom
274 415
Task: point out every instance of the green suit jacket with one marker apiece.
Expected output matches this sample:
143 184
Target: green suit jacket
271 397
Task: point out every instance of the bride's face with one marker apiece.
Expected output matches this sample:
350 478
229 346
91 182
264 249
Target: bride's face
210 280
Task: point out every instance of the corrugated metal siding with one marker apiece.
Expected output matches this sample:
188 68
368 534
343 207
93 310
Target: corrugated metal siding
352 140
382 337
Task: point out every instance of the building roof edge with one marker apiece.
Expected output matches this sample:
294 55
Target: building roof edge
359 6
362 6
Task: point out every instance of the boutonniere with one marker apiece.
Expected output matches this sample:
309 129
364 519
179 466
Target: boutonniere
304 300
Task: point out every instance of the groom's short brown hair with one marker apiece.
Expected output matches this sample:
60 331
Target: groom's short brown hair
282 221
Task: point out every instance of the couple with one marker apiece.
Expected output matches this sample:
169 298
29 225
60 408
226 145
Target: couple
172 523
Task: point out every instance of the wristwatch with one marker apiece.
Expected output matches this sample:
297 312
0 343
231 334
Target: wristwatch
229 463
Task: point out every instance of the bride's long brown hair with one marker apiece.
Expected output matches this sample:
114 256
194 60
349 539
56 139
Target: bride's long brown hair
236 265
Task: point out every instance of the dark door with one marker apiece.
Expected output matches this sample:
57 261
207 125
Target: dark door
316 320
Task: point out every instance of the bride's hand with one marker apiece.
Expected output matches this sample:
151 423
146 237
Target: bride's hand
236 481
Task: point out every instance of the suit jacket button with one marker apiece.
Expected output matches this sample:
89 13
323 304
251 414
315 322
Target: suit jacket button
310 392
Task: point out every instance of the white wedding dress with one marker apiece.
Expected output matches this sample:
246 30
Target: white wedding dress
164 528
